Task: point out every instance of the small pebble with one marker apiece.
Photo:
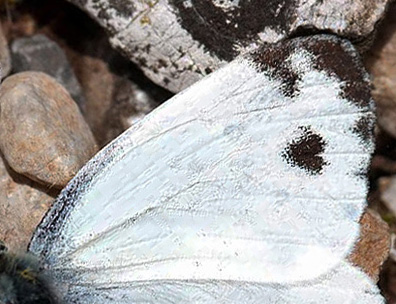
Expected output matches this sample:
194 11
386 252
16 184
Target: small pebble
42 132
39 53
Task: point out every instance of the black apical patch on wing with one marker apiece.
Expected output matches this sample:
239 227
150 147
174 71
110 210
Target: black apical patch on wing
338 58
220 30
334 56
305 152
273 60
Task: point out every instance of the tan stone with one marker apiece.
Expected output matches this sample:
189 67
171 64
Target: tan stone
42 132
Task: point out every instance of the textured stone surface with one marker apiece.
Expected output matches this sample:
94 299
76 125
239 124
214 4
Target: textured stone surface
381 62
387 188
38 53
5 57
22 206
178 42
43 134
373 246
117 93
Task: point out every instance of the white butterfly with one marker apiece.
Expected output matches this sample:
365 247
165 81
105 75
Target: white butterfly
245 188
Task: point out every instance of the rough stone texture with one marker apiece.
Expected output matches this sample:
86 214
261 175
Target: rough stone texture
373 247
387 188
117 93
43 134
22 206
178 42
381 63
5 57
38 53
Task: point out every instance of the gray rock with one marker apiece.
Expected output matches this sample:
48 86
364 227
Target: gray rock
116 91
5 57
43 134
177 42
39 53
381 63
387 186
129 104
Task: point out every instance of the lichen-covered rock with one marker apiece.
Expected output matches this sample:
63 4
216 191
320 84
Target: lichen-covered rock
177 42
22 206
42 132
39 53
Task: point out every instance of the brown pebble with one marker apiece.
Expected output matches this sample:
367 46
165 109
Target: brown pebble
372 249
42 132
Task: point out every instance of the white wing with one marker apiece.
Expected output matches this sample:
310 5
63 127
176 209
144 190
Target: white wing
345 285
253 175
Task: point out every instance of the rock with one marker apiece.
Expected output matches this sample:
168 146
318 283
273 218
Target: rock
129 104
38 53
43 134
387 189
5 57
372 249
22 206
117 93
178 42
381 63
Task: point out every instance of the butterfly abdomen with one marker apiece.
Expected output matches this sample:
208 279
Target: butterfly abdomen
21 281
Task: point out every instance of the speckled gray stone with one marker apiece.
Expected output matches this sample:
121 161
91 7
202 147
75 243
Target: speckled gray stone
39 53
177 42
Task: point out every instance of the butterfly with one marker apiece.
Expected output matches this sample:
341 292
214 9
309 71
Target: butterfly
247 187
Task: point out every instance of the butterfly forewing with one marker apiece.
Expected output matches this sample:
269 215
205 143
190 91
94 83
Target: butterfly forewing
254 175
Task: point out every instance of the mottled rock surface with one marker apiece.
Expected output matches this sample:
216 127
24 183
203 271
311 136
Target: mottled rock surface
387 187
43 134
5 57
373 246
22 206
381 63
117 93
39 53
178 42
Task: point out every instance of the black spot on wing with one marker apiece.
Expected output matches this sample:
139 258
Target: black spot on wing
221 30
305 152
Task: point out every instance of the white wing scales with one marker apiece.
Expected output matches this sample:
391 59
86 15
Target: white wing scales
232 192
345 285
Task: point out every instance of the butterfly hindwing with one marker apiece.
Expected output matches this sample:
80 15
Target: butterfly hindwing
253 175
